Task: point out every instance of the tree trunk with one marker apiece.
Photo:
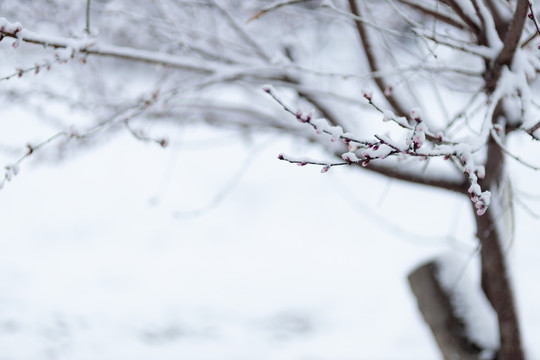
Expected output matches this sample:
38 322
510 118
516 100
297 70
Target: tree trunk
435 304
495 282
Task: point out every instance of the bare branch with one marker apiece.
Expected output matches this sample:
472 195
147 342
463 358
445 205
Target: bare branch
240 31
500 23
532 16
434 14
434 180
477 50
87 28
511 42
509 153
89 47
454 5
398 108
533 129
438 311
275 6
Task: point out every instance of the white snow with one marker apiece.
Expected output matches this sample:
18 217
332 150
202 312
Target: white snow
469 300
108 255
350 156
90 268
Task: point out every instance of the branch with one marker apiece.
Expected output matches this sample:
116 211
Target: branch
122 116
533 129
273 7
494 278
507 151
87 28
434 14
12 170
437 181
454 5
439 313
532 16
482 34
382 147
398 108
88 46
421 66
240 31
478 50
500 23
324 110
511 42
394 172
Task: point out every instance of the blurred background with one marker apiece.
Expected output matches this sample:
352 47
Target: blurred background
114 247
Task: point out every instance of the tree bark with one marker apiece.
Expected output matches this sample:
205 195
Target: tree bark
435 304
495 282
437 309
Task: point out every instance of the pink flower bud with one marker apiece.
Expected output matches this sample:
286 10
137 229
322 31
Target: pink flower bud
368 94
416 114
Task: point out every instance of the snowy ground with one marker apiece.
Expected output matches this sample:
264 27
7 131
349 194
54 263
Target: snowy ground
291 264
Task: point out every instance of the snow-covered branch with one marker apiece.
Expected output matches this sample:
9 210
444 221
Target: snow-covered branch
380 147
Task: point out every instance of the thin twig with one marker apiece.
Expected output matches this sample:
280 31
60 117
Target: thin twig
533 129
273 7
87 29
434 14
499 142
532 16
455 6
396 105
241 32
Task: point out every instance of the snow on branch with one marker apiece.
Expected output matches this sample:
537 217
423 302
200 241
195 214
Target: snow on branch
11 170
90 47
123 117
81 48
380 147
59 57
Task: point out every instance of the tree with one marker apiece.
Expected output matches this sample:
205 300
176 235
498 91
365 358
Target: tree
452 80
